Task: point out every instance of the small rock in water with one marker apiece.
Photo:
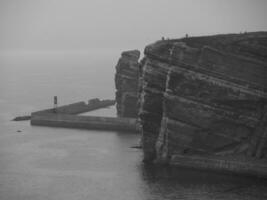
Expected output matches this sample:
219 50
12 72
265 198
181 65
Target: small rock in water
136 147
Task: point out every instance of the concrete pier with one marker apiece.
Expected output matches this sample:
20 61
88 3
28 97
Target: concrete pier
79 107
84 122
228 164
66 116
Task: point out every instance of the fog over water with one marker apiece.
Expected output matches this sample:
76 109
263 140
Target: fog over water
124 24
70 49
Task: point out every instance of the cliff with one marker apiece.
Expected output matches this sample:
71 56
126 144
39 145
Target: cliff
205 97
126 82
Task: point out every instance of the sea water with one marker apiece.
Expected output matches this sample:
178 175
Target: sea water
58 163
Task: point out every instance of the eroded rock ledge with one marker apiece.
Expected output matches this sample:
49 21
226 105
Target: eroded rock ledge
201 96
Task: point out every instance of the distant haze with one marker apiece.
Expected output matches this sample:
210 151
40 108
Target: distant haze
127 24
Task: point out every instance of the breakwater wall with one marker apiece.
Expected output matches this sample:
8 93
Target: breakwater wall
66 116
79 107
232 165
85 122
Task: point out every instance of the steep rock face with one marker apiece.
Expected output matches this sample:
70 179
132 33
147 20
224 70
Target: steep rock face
205 96
151 109
126 81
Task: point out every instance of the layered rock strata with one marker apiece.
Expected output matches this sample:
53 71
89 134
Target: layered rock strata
201 101
126 82
205 96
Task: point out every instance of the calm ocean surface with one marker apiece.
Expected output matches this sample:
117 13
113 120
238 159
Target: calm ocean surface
67 164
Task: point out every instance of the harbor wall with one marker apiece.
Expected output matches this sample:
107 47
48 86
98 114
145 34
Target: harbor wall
84 122
79 107
232 165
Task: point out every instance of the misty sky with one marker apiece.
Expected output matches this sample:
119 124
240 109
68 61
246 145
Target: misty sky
126 24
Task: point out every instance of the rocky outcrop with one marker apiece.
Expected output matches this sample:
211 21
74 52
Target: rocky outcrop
126 82
204 96
202 101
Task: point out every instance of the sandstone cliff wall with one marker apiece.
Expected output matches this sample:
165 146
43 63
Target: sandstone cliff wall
203 95
200 96
126 82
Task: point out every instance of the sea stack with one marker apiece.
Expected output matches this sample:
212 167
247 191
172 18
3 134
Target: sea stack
126 81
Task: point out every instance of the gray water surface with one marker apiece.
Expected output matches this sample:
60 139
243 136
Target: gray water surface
56 163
